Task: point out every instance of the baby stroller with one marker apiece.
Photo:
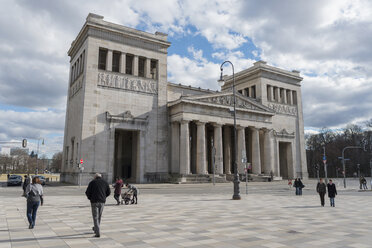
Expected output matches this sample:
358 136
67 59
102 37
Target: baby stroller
127 197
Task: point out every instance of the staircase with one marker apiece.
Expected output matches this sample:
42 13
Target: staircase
191 179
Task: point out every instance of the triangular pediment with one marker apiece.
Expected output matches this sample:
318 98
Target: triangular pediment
226 99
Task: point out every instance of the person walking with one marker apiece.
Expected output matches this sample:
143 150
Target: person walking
364 183
26 182
34 195
321 188
299 186
118 185
133 189
97 192
332 192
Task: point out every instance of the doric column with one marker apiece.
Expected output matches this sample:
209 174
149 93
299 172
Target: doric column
201 158
284 96
269 152
147 68
241 148
184 148
289 98
123 59
270 93
277 93
175 155
109 61
256 158
227 149
135 65
218 146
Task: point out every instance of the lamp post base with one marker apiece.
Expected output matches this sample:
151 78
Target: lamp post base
236 195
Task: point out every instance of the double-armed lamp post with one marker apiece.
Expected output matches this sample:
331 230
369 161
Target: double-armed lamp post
221 82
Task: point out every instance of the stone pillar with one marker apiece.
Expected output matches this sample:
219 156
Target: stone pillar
227 149
289 98
175 155
256 158
284 96
201 157
218 146
184 148
277 94
123 62
147 68
135 65
241 149
269 152
270 92
109 61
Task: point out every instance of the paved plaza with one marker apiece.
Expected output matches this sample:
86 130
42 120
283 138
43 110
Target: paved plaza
199 215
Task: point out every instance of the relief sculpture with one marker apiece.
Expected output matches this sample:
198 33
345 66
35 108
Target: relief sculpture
127 83
229 101
283 109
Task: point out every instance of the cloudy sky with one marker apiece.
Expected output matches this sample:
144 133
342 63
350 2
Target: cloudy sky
328 41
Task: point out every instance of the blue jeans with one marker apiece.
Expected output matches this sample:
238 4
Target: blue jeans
32 207
332 200
298 191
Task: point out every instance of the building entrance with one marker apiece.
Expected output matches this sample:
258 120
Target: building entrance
126 144
285 159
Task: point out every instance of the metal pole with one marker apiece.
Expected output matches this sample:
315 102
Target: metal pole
246 178
325 165
343 159
213 164
236 195
37 157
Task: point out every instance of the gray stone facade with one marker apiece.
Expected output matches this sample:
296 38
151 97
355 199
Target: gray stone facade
124 119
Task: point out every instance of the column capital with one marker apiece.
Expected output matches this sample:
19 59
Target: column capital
200 123
239 127
184 121
217 124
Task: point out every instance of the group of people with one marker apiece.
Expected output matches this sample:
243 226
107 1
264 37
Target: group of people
97 192
363 183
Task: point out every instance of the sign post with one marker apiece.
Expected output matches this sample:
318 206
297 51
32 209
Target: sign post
213 163
81 168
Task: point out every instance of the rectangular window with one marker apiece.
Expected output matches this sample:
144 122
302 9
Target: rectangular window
153 69
141 66
102 57
66 156
72 148
275 96
129 64
289 97
294 97
247 92
72 75
82 61
240 91
253 91
116 61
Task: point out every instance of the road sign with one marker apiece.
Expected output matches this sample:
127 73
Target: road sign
324 161
81 161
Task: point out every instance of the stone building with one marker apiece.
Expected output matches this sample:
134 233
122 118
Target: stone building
124 119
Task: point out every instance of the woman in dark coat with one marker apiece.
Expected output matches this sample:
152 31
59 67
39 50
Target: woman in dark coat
298 185
332 192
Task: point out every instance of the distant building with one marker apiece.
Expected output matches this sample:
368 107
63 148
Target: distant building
123 117
11 151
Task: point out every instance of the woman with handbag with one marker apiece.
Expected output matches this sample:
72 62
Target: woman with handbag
34 195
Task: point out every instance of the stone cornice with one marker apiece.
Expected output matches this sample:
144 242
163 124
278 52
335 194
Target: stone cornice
96 27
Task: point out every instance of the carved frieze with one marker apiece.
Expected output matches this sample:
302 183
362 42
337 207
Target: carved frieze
284 134
76 86
126 82
229 101
283 109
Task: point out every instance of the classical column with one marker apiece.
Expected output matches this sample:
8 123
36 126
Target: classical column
227 149
269 152
241 149
270 93
109 61
277 93
184 148
147 68
135 65
289 98
201 158
218 146
123 59
175 155
284 96
256 158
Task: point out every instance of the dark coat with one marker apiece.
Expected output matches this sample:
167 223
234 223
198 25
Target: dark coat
321 188
97 191
298 184
332 192
118 185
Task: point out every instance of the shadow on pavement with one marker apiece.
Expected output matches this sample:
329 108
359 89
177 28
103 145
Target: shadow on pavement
70 236
303 207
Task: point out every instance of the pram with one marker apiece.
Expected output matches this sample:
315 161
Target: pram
127 197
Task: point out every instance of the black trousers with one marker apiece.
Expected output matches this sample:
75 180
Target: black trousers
321 194
117 196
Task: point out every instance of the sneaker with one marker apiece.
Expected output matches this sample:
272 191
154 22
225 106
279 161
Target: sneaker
97 235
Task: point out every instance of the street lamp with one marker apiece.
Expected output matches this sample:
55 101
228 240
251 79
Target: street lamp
37 157
221 82
343 159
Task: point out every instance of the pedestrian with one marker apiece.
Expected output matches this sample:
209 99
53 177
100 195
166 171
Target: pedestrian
321 188
332 192
8 175
299 186
271 176
97 192
118 185
133 189
289 184
364 183
26 182
360 182
34 195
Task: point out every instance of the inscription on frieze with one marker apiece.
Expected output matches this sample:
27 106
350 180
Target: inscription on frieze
283 109
125 82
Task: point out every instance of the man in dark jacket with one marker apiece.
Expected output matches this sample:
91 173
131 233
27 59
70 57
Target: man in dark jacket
321 188
332 192
97 192
25 183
